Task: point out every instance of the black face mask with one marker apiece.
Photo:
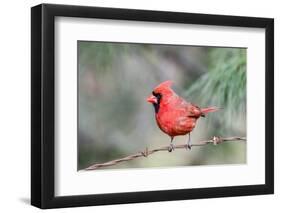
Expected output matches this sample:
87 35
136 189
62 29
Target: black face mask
157 105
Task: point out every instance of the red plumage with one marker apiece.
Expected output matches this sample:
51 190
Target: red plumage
173 114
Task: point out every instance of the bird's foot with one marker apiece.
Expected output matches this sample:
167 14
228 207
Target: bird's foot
171 147
188 144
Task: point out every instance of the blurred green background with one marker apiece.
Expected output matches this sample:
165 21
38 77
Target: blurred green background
115 120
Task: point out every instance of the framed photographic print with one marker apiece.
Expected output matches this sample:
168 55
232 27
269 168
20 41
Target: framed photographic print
140 106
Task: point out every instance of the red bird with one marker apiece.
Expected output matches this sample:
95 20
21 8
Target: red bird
173 114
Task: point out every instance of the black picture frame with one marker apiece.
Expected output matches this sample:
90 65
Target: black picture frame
43 105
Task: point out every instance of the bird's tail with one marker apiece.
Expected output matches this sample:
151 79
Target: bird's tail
208 109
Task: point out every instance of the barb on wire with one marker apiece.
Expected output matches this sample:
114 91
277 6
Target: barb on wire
215 140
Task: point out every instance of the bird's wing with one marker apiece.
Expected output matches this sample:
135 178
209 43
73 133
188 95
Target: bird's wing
194 111
188 109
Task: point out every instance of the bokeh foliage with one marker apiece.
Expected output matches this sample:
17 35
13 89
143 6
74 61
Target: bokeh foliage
224 85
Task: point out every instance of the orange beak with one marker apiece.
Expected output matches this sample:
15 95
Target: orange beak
152 99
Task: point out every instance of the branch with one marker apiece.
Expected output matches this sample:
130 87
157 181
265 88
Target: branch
146 152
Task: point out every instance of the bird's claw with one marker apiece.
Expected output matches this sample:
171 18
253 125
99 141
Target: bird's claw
188 144
171 147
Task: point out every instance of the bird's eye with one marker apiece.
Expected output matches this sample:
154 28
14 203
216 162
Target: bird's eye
153 93
158 96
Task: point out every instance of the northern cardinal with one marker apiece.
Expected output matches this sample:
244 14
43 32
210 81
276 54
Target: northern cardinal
173 114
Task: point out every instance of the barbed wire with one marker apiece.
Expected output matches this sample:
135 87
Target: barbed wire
215 140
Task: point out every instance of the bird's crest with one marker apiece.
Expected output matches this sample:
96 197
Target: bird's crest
164 86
